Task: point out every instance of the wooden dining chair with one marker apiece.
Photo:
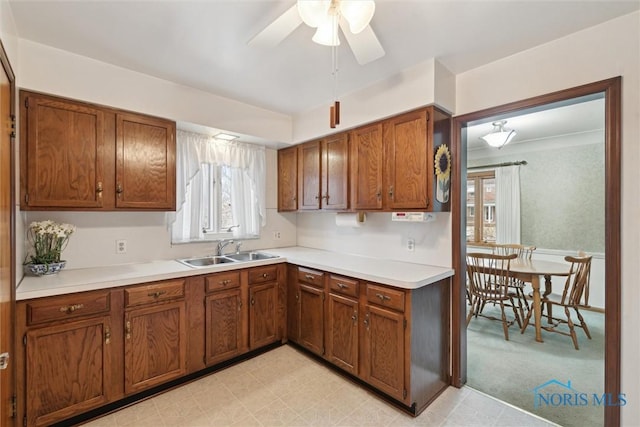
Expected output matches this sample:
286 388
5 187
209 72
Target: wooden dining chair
585 294
489 282
571 298
522 252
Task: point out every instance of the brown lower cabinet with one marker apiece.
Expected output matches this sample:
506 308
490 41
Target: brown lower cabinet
396 340
79 352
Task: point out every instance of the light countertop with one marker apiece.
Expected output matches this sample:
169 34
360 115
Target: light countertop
394 273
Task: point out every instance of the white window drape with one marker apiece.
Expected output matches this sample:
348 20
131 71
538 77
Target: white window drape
508 204
248 169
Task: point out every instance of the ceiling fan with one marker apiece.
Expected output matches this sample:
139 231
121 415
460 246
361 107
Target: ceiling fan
351 16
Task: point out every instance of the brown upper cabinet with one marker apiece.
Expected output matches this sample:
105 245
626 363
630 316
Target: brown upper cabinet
288 179
387 165
323 167
79 156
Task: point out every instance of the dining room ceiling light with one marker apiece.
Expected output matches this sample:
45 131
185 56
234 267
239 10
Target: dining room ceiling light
499 136
325 14
225 136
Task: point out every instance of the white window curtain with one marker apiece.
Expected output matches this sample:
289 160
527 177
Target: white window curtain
248 168
508 204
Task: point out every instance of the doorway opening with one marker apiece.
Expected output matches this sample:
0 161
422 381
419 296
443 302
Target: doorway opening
609 91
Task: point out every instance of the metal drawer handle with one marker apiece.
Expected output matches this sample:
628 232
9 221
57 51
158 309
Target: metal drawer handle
383 297
342 286
309 277
71 308
156 294
107 336
225 282
354 317
99 189
265 275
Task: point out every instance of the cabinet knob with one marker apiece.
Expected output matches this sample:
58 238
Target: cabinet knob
379 194
253 302
127 330
71 308
342 286
391 191
297 297
366 321
119 189
354 317
383 298
99 189
107 336
309 277
156 294
265 275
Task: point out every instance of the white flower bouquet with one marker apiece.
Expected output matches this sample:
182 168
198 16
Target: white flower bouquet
49 240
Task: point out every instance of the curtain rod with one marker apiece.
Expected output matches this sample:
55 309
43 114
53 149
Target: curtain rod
499 165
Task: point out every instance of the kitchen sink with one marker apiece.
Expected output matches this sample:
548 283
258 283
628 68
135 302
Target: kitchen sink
206 261
250 256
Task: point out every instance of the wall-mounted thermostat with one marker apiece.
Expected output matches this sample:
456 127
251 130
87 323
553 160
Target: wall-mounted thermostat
412 216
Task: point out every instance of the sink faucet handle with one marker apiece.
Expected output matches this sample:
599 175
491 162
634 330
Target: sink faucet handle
230 229
238 244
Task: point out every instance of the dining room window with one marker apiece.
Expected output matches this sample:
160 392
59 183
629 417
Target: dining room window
481 207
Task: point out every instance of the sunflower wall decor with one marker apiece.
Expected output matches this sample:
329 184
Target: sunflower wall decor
443 173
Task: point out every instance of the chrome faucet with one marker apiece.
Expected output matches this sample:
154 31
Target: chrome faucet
221 245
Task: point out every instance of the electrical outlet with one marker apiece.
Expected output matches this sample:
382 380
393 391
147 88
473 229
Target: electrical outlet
411 245
276 235
121 246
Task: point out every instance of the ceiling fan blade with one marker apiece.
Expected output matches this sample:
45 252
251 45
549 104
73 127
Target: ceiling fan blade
365 45
278 30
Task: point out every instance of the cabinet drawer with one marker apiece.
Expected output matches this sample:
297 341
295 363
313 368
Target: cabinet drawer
312 277
386 297
263 274
220 281
68 307
344 286
146 294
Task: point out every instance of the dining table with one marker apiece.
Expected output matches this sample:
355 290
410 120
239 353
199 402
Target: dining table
529 271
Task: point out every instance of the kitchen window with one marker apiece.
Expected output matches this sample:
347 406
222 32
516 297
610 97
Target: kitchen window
481 198
220 189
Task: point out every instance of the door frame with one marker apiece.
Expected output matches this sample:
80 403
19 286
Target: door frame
612 91
8 339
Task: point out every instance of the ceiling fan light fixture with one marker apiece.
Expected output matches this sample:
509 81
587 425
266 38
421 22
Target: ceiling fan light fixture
327 32
313 12
358 13
499 136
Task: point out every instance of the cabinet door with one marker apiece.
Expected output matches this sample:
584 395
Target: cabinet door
366 167
67 368
288 179
63 154
312 318
293 304
145 163
155 345
342 333
262 314
223 326
384 350
407 167
335 172
309 176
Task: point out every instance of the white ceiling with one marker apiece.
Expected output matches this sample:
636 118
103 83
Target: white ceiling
203 44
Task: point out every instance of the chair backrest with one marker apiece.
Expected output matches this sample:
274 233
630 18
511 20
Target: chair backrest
575 284
489 274
585 294
522 251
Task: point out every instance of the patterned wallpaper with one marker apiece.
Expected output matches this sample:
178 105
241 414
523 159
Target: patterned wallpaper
562 196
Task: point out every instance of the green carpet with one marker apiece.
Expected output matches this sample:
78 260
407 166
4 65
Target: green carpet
512 370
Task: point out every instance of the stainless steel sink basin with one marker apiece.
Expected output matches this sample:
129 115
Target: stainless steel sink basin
206 261
250 256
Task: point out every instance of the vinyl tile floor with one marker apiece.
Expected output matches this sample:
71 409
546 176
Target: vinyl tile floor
284 387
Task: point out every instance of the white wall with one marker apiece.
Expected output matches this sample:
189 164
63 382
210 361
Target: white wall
94 242
379 237
58 72
410 89
604 51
